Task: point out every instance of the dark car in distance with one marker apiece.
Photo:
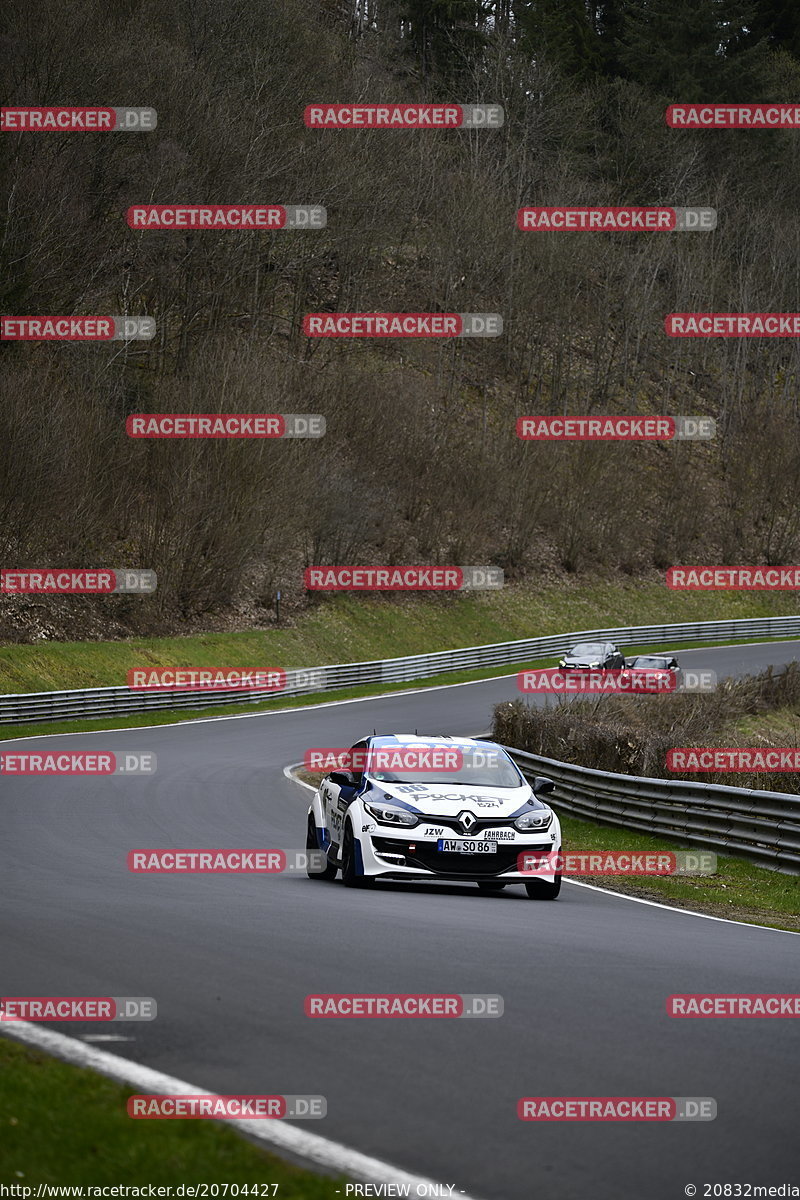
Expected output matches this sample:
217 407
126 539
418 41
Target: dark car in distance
593 656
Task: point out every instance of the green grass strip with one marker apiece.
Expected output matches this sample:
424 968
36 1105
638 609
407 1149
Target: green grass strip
61 1124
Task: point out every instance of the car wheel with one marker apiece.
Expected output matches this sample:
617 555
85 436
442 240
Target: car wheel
328 871
542 889
488 885
350 876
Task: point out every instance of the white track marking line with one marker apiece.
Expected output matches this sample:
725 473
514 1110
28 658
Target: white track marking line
276 1135
289 773
104 1037
686 912
272 712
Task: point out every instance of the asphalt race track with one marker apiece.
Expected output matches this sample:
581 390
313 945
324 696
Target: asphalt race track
231 958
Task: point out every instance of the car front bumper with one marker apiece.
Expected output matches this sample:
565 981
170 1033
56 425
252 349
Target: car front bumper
383 853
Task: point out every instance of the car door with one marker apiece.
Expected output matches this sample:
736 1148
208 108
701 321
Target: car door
337 791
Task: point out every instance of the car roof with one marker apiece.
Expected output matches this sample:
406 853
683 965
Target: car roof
422 739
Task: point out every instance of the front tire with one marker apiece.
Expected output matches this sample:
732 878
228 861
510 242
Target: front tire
542 889
328 872
350 875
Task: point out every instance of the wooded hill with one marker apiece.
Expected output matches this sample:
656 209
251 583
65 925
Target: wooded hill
421 462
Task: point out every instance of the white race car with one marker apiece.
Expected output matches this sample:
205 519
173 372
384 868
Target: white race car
417 807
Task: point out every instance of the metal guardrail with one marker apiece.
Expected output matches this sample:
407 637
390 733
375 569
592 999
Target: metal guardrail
744 822
113 701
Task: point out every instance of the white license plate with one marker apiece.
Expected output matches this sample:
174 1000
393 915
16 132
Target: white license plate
466 846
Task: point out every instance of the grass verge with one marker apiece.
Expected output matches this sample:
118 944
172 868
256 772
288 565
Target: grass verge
60 1124
781 727
740 890
173 717
167 717
358 628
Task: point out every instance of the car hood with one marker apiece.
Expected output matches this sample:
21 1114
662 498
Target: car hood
448 800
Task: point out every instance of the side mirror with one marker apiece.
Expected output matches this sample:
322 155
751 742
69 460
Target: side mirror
342 778
542 786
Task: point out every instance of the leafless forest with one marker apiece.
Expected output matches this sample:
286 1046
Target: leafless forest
421 462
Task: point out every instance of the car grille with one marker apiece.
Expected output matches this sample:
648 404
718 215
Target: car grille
481 823
427 858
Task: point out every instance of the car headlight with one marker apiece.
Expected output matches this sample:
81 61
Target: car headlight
593 665
535 819
387 814
563 663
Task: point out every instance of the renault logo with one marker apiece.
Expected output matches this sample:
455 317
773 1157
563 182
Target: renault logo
466 820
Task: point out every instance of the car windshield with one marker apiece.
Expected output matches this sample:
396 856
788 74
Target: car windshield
588 650
650 660
476 767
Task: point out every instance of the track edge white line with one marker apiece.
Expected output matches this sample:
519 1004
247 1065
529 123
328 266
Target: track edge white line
277 1136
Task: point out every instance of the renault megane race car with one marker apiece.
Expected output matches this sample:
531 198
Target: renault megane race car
411 807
